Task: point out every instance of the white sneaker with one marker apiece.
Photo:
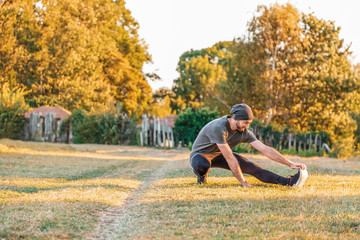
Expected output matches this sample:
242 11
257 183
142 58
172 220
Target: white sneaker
303 176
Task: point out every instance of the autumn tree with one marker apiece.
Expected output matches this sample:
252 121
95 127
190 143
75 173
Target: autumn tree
276 33
76 54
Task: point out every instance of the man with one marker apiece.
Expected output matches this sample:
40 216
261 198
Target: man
212 148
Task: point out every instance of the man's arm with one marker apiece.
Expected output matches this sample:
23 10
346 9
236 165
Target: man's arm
275 155
233 163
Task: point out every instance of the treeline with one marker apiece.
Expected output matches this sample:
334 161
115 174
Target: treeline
291 68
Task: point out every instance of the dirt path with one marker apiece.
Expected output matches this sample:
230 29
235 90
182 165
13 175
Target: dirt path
115 220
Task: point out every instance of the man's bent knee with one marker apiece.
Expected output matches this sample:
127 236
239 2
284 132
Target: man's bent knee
200 165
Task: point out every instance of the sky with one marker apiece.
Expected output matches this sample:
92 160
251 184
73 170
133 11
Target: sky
172 27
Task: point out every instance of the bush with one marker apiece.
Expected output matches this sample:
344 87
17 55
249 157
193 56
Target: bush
12 109
102 128
311 152
303 153
243 148
190 122
292 151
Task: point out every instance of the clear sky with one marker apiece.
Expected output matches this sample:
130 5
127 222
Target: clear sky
171 27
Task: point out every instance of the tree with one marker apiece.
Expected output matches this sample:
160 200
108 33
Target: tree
327 76
201 72
293 70
244 83
277 36
74 53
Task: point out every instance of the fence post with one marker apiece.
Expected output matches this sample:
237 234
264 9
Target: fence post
167 133
49 118
33 123
163 132
289 138
154 131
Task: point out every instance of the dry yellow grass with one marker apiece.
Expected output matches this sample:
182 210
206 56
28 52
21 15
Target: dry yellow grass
107 191
59 191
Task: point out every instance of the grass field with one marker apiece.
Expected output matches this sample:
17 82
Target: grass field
58 191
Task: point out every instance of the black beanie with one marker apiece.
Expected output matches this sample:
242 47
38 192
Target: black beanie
241 112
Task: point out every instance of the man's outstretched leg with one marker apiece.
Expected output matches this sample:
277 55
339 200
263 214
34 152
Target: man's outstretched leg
265 175
256 171
201 167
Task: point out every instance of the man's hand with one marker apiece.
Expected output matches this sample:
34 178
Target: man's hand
245 184
298 165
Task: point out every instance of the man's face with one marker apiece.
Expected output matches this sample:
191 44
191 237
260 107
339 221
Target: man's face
241 125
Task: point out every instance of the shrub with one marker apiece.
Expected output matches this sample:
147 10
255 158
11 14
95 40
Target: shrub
311 152
101 128
190 122
290 151
243 148
12 109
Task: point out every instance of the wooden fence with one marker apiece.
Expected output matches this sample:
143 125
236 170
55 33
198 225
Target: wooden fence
289 140
45 128
156 132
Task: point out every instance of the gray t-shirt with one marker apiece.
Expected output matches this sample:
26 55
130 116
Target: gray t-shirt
218 131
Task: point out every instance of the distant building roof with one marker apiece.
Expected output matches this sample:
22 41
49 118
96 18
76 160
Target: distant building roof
171 120
59 112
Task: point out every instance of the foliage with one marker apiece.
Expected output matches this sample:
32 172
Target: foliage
298 63
77 54
243 148
12 109
356 117
101 128
290 151
342 136
276 35
162 99
190 122
242 84
201 72
304 153
293 69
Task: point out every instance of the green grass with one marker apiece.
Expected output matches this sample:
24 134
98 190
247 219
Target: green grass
55 191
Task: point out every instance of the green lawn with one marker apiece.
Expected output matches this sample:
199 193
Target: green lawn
62 191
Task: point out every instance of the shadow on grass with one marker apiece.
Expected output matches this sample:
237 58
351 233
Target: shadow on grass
72 168
37 190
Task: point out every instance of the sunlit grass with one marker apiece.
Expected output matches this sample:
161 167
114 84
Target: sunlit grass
57 191
185 189
107 191
327 207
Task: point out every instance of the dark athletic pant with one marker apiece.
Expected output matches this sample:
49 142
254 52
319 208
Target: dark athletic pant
201 164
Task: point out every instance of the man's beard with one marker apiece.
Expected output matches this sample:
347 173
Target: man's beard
240 129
